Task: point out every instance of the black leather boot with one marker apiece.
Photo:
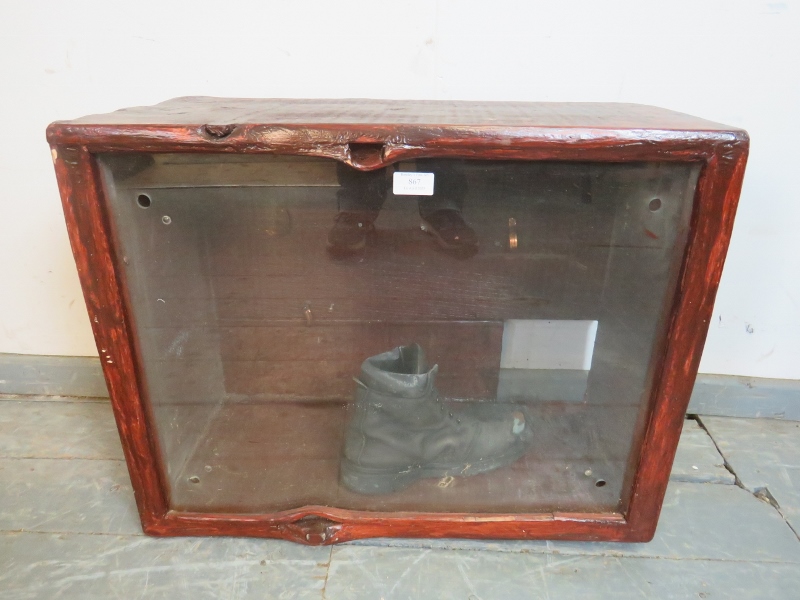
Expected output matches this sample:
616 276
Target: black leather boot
402 431
349 232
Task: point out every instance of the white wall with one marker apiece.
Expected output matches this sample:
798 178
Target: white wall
734 62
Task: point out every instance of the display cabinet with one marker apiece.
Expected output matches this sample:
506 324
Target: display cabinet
323 320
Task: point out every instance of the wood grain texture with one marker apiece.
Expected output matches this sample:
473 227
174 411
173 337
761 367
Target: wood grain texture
388 131
88 232
712 223
251 454
222 112
369 135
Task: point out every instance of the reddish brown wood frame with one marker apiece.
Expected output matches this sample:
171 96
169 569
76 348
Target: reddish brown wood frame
371 134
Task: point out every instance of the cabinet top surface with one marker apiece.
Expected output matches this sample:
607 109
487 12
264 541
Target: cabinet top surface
222 111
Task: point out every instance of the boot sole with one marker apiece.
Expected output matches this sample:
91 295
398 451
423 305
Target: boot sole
364 480
345 249
459 250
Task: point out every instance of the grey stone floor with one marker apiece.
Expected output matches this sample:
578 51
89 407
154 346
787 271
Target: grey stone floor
68 529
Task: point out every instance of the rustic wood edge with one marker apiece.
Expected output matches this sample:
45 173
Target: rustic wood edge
724 155
89 235
716 199
368 147
318 525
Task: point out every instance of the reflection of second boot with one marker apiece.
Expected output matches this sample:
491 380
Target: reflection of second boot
401 431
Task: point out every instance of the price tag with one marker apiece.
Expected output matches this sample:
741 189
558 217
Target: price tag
412 184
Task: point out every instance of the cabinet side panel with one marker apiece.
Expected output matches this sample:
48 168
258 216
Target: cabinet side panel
712 223
89 237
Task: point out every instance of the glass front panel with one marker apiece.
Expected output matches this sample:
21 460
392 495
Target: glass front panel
440 335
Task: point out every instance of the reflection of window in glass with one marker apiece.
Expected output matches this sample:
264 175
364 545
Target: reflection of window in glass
546 360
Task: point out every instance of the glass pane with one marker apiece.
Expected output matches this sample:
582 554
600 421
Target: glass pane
440 335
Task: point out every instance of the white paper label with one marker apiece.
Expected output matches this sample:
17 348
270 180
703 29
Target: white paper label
412 184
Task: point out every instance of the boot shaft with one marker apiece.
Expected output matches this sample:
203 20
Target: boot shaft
399 373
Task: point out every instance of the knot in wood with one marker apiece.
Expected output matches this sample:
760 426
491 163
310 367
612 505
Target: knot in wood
218 131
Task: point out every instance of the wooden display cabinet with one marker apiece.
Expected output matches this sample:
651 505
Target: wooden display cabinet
231 321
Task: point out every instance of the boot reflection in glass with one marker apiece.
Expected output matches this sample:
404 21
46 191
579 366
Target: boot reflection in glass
361 195
401 431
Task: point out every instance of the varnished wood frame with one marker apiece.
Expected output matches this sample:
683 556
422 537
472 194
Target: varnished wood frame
723 155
